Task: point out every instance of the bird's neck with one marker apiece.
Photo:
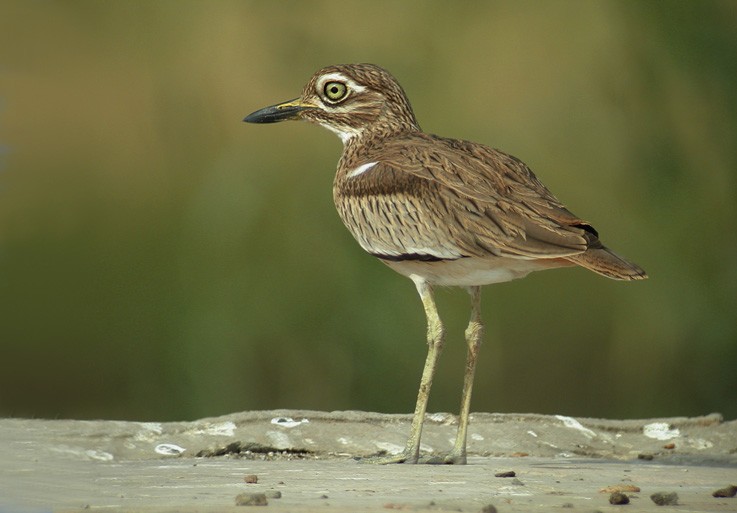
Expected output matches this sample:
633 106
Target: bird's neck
364 147
375 135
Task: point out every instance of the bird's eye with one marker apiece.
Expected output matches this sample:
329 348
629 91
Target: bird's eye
335 91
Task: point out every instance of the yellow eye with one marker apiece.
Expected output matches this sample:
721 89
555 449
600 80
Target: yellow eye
335 91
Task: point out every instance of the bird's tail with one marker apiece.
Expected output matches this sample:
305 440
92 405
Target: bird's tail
606 262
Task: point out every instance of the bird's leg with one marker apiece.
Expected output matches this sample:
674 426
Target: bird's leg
435 337
474 334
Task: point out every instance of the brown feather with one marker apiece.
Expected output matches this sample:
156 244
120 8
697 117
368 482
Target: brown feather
428 200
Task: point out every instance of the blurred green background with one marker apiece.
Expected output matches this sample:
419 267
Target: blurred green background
162 260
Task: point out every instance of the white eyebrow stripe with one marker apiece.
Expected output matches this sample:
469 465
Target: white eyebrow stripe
340 77
361 169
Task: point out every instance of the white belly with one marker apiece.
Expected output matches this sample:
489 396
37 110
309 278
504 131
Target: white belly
468 272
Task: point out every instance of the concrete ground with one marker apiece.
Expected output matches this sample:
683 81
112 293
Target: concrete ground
305 461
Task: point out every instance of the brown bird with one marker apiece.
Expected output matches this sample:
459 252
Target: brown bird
439 211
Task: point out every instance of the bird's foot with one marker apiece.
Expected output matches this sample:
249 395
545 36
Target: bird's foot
406 456
451 458
454 458
410 457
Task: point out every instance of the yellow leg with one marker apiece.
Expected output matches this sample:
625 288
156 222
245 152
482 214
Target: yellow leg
435 337
474 334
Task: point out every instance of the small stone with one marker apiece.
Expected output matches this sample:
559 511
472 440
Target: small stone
273 494
250 478
645 456
618 498
669 446
489 508
620 488
251 499
517 482
665 498
729 491
508 473
567 505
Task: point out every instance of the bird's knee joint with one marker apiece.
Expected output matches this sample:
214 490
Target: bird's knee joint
474 334
436 336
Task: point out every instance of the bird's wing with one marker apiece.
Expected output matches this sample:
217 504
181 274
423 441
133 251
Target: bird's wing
493 200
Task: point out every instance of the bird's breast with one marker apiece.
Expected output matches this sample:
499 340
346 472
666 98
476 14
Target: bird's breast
395 221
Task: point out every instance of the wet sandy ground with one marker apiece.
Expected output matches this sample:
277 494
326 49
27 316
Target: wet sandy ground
304 461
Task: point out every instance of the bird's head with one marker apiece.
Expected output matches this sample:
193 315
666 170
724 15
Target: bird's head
348 99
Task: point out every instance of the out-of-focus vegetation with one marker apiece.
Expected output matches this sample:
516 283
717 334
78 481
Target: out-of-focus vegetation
159 259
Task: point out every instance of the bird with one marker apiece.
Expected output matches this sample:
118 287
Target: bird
440 211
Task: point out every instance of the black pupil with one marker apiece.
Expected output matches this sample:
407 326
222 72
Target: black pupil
334 89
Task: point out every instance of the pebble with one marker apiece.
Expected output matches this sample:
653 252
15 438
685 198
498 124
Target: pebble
620 488
619 498
508 473
665 498
729 491
251 499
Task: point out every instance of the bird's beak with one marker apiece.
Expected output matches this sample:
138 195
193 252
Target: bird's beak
279 112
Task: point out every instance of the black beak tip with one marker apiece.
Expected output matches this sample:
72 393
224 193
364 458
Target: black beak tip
275 113
266 115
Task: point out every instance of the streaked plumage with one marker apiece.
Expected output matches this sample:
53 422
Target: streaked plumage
440 211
